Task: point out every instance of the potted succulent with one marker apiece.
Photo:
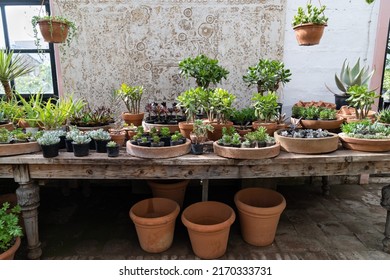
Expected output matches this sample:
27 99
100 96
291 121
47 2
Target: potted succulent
365 136
384 116
205 70
54 29
199 135
101 138
86 117
81 144
266 111
12 66
315 117
112 149
309 24
348 77
162 115
361 99
73 131
131 97
49 142
11 231
156 141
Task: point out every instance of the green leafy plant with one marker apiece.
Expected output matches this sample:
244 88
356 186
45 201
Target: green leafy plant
100 134
266 106
131 97
361 99
243 117
328 114
49 138
12 66
205 70
31 108
199 131
311 14
9 226
257 137
165 132
384 116
267 75
190 100
5 136
81 139
112 144
218 106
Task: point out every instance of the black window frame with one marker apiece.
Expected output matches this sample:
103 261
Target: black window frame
49 51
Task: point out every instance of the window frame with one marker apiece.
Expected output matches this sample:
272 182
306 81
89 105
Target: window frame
50 50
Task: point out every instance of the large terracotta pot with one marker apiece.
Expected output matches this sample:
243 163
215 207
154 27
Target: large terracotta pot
309 34
186 128
154 220
208 224
217 133
53 31
259 212
271 127
10 253
135 119
172 189
365 145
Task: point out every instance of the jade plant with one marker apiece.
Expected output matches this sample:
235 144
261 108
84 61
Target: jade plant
266 106
310 14
361 99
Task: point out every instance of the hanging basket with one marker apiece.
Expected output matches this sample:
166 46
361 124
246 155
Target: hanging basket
53 31
309 34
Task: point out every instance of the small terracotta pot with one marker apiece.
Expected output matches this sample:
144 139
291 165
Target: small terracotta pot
186 128
309 34
271 127
259 212
208 224
10 253
135 119
172 189
119 138
217 133
154 220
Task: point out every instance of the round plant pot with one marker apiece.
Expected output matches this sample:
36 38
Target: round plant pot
247 153
271 127
259 210
208 224
119 138
340 100
68 145
217 133
50 151
149 126
158 152
10 253
101 146
186 128
197 149
309 34
135 119
308 145
80 150
154 220
113 151
365 145
53 31
172 189
324 124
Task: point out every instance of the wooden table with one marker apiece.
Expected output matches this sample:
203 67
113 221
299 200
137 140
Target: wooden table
26 169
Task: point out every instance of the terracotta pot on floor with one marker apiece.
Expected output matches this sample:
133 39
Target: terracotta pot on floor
208 224
154 220
259 212
10 253
172 189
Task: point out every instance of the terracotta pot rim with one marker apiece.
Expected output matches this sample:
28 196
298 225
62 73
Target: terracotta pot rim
212 227
333 136
344 137
310 25
155 221
9 254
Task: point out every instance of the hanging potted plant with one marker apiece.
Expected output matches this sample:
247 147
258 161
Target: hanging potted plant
309 24
131 97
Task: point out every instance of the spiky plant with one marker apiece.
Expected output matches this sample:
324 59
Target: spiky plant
12 67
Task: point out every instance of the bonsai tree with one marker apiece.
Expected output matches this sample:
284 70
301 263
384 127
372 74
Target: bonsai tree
9 226
205 70
12 67
361 99
267 75
199 131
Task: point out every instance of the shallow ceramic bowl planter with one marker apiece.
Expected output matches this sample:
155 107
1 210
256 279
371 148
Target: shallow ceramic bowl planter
259 213
324 124
19 148
158 152
247 153
308 145
10 253
149 126
365 145
172 189
154 220
208 224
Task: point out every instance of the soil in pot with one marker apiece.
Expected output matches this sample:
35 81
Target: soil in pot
208 224
154 220
259 212
172 189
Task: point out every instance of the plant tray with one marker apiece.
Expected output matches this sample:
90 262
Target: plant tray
365 145
158 152
19 148
247 153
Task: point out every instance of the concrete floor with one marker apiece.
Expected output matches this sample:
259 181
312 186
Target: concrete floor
93 223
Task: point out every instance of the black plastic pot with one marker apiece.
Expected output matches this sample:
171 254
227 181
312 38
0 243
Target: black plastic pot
340 101
113 151
62 142
166 140
80 150
68 145
50 151
197 149
101 146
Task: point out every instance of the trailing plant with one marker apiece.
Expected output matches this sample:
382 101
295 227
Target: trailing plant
361 99
131 97
9 226
267 75
311 14
205 70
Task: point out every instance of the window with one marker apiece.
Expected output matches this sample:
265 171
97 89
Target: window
17 34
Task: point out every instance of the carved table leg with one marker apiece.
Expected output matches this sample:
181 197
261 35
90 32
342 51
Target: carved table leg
385 203
325 185
28 199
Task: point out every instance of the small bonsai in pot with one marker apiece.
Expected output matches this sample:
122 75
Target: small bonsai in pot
10 230
199 135
112 149
309 24
131 97
205 70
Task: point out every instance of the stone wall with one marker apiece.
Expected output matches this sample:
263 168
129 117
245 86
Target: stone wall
141 42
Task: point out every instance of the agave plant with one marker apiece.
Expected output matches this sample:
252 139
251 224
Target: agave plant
11 67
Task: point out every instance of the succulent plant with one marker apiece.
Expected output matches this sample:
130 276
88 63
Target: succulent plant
49 138
81 139
112 144
100 134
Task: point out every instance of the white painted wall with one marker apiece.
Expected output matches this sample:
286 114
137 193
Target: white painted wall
350 34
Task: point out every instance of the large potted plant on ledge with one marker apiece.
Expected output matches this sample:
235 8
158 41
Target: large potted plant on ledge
131 97
309 24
